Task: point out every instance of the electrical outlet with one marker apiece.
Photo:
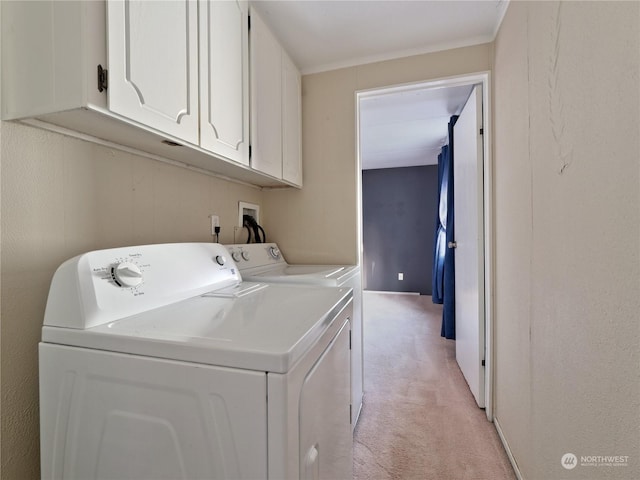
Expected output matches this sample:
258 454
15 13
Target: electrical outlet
215 222
401 276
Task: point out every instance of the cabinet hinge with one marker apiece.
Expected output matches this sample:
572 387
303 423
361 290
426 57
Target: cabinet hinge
103 81
482 131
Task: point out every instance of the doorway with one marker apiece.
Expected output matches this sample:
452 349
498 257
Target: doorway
435 86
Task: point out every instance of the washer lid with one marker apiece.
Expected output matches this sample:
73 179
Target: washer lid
267 329
307 274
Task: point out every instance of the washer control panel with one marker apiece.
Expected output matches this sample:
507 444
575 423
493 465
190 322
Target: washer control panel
103 285
252 255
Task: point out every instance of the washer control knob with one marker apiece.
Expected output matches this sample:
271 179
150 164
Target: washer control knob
235 256
245 255
275 253
127 274
221 260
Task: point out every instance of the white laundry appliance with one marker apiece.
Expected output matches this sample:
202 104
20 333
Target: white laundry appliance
264 262
159 362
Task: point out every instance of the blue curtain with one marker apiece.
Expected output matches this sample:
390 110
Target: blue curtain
440 243
443 276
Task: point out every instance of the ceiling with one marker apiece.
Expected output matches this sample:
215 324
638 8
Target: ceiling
405 128
329 34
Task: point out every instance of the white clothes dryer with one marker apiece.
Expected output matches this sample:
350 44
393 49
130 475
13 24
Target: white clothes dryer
158 362
264 262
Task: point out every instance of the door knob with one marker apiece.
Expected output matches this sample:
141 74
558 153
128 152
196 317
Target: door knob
452 244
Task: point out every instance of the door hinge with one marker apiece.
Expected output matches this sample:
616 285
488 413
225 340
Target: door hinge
482 131
249 21
350 411
483 363
103 79
249 152
349 339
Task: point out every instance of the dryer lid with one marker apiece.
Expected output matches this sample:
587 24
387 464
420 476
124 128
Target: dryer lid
267 329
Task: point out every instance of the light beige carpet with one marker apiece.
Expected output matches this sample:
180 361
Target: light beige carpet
419 419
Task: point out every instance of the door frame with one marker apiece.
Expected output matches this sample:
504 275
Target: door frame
483 78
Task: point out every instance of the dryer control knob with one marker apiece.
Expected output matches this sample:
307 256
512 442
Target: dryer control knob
245 255
127 274
275 253
221 260
235 256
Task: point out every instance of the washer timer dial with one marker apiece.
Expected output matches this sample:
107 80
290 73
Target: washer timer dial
127 274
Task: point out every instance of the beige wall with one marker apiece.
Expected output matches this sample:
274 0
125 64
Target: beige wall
512 196
318 224
567 196
62 197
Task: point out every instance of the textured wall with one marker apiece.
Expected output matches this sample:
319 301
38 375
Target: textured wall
399 211
512 197
318 224
62 197
567 110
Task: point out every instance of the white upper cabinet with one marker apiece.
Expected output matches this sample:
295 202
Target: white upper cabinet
266 99
275 107
291 122
153 64
224 78
177 85
50 54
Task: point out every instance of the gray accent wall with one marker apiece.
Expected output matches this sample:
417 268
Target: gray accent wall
399 208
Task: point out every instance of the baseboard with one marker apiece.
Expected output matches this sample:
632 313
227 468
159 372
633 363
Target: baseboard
507 449
391 293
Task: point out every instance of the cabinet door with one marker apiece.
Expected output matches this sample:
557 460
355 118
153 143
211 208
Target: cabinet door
153 64
224 79
291 122
266 99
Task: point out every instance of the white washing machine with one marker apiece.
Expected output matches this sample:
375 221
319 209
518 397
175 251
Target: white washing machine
159 362
264 262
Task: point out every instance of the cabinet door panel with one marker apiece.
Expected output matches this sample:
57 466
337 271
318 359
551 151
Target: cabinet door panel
224 79
153 64
266 99
291 122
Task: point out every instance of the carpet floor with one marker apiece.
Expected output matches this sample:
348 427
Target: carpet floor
419 419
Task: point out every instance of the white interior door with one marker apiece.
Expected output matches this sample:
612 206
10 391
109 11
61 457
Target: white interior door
469 235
